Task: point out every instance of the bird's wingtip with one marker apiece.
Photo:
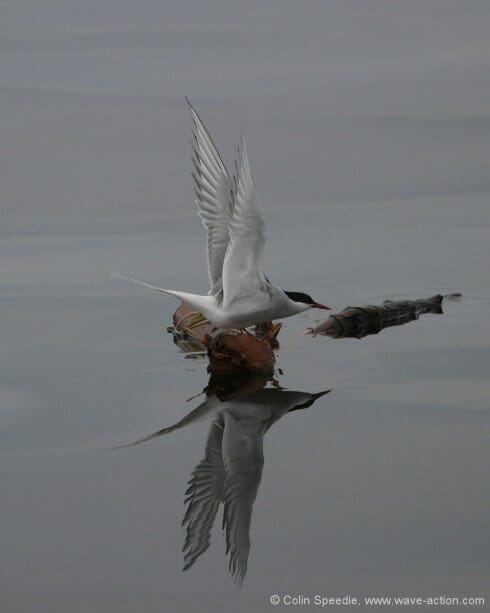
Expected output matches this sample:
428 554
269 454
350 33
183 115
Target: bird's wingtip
118 275
191 107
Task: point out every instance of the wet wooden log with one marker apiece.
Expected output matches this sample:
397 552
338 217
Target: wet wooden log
234 350
358 322
228 350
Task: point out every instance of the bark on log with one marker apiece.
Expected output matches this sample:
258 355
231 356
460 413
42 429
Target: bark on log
230 350
357 322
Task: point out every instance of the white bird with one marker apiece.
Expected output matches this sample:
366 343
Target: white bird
240 294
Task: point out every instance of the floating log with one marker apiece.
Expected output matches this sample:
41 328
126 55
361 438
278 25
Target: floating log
228 350
357 322
190 329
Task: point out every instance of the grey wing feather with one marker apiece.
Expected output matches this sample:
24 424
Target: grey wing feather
243 266
213 188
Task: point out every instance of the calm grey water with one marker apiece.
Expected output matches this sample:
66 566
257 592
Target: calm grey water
367 126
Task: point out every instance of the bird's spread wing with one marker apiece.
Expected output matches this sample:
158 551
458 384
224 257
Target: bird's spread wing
242 269
213 188
203 497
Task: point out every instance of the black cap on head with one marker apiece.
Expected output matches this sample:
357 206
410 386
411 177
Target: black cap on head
299 297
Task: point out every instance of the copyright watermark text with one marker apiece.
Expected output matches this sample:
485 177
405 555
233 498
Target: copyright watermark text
323 601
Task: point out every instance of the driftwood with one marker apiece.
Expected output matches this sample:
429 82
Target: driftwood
232 351
357 322
229 350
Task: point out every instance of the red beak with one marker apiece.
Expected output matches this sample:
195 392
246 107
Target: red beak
317 305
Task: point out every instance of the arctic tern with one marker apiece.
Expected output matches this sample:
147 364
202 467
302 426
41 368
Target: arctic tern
240 294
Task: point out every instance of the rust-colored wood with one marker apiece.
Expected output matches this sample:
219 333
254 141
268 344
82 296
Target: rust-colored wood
229 350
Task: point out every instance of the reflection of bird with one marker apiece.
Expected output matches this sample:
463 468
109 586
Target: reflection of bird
231 470
240 294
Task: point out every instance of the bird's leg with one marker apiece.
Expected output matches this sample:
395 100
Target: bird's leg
239 330
245 331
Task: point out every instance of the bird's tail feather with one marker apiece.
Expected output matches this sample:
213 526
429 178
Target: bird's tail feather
202 304
159 289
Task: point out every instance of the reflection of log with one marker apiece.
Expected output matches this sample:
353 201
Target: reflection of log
237 386
357 322
229 350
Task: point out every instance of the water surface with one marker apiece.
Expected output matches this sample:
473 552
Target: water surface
368 133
